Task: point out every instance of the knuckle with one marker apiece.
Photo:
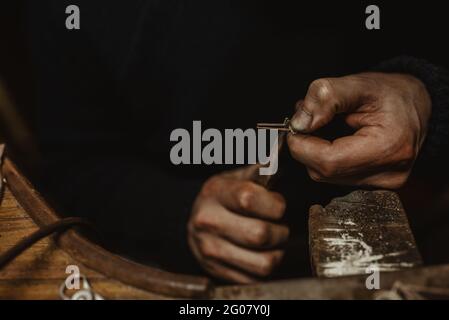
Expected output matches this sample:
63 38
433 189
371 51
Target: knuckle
402 144
407 153
207 248
401 152
246 195
210 187
315 176
280 207
292 142
260 234
269 263
391 181
322 89
397 182
201 220
328 168
299 104
294 147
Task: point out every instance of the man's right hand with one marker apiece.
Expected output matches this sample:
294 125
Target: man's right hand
233 230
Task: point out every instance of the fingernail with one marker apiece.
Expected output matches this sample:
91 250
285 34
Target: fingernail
301 121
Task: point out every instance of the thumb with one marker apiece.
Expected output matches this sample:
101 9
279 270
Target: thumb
327 97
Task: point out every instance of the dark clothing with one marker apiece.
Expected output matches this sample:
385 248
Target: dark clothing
436 79
108 96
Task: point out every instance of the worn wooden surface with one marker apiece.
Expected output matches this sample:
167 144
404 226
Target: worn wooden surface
95 257
347 288
39 271
360 233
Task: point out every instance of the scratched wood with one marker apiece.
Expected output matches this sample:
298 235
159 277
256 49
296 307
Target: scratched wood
359 233
40 270
434 279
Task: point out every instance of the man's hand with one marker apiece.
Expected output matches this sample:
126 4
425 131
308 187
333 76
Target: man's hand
233 230
390 113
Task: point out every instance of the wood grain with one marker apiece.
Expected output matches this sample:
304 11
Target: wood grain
40 270
96 257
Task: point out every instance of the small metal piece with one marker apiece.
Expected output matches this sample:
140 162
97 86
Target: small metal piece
84 293
285 126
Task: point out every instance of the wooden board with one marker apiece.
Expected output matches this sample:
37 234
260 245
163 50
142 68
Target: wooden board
40 270
360 233
348 288
97 258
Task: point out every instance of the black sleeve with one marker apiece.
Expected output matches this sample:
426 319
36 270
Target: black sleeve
436 80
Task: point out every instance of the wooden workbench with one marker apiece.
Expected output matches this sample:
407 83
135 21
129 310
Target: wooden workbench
40 270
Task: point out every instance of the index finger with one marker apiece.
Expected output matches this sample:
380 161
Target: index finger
248 198
342 157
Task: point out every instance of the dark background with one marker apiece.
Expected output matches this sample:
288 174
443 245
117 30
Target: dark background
101 102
